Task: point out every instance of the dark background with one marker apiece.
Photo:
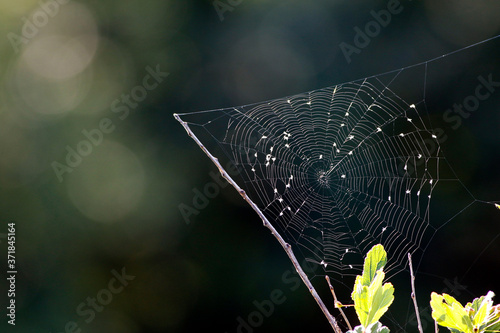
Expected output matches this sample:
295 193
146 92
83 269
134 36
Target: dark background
119 208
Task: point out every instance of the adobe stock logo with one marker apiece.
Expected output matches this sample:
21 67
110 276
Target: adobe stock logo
265 308
225 6
89 308
453 287
471 103
39 19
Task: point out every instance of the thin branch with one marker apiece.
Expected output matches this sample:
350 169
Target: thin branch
413 294
337 302
287 247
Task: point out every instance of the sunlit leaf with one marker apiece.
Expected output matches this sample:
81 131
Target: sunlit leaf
448 312
371 298
376 327
381 297
494 323
481 309
361 302
375 260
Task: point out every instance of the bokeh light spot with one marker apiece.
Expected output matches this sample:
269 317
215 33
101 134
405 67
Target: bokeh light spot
108 184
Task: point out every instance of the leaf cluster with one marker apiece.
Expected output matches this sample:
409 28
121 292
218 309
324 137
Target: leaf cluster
477 316
372 298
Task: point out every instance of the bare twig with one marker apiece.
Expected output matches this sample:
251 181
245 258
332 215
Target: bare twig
413 294
287 247
337 303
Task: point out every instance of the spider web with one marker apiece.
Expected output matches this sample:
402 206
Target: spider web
336 170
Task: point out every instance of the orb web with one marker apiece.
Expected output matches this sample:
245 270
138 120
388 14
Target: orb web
335 170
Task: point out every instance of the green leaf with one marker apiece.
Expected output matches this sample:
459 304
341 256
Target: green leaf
373 328
448 312
481 309
375 260
377 327
493 324
371 302
478 316
382 298
371 298
361 302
